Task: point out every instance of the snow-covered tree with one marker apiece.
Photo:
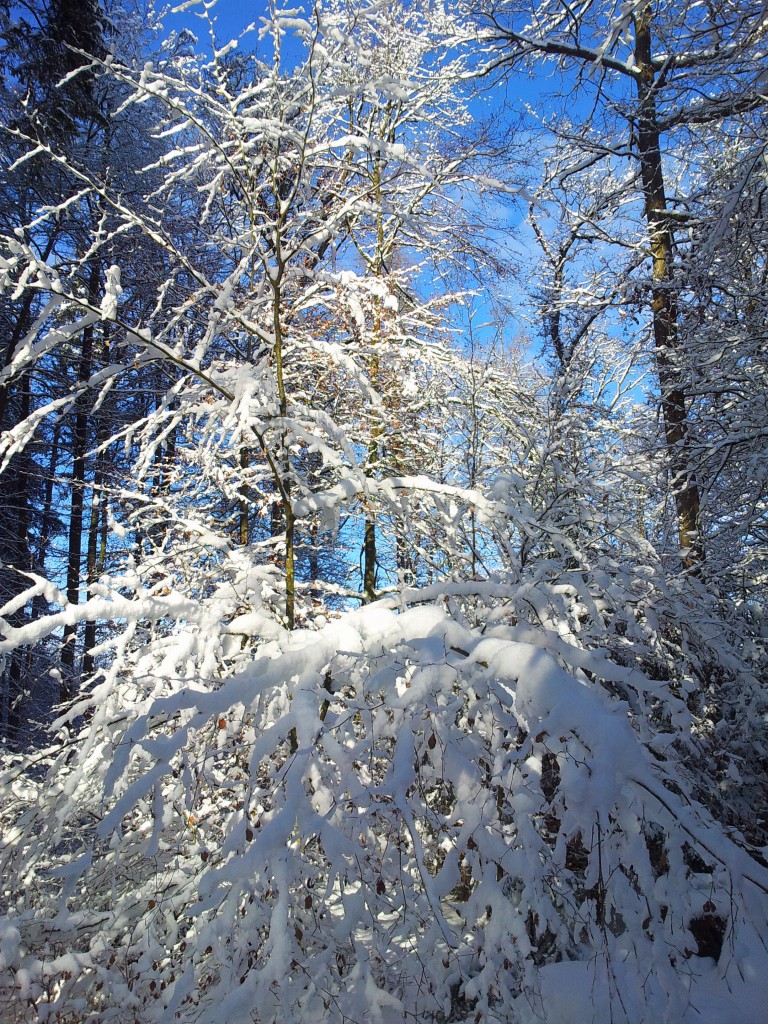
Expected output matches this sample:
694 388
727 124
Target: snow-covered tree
271 281
657 90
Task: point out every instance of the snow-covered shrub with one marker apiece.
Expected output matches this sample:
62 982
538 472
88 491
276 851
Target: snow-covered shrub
395 817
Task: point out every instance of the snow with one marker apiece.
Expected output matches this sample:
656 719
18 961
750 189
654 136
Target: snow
590 991
385 706
480 799
112 292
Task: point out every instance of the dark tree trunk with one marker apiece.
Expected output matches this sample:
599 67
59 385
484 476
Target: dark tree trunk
77 502
667 343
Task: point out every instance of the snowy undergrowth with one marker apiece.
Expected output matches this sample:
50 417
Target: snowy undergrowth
399 816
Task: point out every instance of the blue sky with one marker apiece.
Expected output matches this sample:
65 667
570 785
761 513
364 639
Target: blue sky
231 18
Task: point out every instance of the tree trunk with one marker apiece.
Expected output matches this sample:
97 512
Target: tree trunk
16 553
283 462
243 530
369 557
96 526
664 300
74 548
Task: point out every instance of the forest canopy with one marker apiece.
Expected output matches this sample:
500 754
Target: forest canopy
383 512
